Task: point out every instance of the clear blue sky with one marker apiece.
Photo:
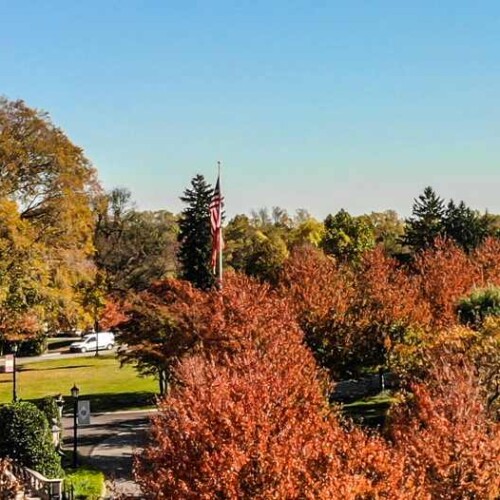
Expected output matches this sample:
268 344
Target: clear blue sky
321 105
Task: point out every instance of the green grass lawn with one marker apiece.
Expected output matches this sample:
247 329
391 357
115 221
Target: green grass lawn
87 482
101 380
370 411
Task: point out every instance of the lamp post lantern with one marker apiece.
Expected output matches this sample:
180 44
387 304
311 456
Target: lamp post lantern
75 393
14 378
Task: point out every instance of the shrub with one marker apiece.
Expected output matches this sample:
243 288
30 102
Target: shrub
25 437
476 307
87 483
49 407
33 347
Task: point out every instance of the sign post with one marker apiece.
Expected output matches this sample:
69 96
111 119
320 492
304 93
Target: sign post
83 412
10 367
9 363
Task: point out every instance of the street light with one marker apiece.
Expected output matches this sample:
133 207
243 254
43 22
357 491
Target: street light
14 380
74 394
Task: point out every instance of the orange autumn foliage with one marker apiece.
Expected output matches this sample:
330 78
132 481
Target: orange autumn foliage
316 285
486 258
353 317
10 486
446 273
248 416
112 315
450 444
251 429
386 294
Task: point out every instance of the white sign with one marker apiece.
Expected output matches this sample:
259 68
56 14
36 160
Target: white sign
9 363
83 413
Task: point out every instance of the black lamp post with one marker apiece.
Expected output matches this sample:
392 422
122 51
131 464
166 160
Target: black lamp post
96 330
75 393
14 378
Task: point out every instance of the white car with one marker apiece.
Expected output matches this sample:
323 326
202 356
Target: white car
94 341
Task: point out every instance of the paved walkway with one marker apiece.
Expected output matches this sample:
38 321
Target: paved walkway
114 456
109 444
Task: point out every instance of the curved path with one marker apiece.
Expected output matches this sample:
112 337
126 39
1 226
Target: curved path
109 444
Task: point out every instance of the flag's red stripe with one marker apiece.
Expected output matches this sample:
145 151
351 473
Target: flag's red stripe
216 205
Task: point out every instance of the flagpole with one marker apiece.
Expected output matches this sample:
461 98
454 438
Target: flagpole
220 230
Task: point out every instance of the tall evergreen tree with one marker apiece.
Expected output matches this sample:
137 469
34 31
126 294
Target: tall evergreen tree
426 222
194 234
464 225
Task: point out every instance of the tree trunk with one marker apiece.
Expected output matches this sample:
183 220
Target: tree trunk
163 381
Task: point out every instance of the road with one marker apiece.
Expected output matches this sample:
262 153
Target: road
52 356
109 444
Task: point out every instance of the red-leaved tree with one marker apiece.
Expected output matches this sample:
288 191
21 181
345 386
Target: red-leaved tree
248 418
451 445
446 273
486 258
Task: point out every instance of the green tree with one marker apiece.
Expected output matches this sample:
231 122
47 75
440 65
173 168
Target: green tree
479 305
426 222
24 278
239 236
347 237
257 247
388 230
308 231
268 254
52 184
492 223
194 235
466 226
133 248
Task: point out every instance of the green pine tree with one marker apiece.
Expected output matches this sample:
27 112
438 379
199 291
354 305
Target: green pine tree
426 222
194 234
466 226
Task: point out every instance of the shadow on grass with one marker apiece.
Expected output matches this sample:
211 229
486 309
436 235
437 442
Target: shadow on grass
105 402
22 369
108 402
366 412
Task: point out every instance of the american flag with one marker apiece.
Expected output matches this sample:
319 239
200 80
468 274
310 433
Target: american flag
216 222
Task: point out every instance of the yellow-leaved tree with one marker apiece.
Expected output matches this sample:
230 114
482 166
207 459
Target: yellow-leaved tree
46 187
